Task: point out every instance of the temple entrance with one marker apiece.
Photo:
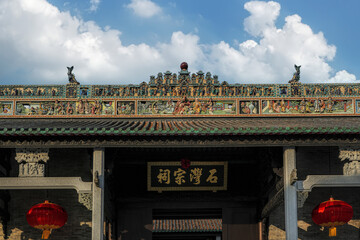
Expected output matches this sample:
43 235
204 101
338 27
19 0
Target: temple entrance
178 214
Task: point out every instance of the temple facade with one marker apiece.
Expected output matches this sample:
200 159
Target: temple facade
182 156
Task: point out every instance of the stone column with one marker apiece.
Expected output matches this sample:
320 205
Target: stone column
352 155
290 195
98 194
32 161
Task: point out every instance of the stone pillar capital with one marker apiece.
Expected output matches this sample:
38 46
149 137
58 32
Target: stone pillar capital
32 161
352 155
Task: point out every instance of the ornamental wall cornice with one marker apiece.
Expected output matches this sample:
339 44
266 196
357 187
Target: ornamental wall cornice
190 142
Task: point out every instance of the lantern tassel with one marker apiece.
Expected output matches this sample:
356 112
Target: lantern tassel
332 232
46 234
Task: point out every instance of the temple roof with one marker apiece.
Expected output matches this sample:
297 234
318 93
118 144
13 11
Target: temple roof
179 126
183 104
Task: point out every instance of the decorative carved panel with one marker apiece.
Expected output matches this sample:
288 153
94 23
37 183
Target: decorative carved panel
31 169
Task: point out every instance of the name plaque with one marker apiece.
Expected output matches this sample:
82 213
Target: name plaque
197 176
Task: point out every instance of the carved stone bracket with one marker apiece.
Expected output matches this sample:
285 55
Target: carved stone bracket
273 203
280 173
86 200
352 167
293 176
32 161
301 198
279 184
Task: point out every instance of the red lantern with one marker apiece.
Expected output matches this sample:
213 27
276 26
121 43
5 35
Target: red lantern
332 213
46 216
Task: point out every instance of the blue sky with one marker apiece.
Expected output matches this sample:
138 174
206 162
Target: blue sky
118 42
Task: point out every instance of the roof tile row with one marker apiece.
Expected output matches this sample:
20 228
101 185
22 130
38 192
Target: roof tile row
187 225
221 126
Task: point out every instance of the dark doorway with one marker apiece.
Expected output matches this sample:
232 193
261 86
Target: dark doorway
250 178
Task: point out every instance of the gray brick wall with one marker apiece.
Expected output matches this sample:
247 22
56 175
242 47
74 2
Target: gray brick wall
63 162
320 160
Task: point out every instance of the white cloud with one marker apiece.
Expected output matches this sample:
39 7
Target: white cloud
271 57
94 4
144 8
262 18
343 77
38 41
183 47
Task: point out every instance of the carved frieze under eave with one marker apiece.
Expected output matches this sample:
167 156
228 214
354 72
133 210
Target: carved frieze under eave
162 141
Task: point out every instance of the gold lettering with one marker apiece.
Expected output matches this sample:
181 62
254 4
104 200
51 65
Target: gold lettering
164 176
212 178
179 176
195 174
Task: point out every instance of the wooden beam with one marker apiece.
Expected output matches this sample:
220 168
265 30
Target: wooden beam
312 181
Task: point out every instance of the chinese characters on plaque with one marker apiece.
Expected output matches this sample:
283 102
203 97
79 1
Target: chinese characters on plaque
200 176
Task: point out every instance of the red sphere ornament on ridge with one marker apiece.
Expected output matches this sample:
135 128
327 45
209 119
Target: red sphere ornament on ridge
184 66
46 216
185 163
331 214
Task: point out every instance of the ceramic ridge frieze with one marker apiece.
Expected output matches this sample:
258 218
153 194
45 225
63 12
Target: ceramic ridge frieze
188 89
185 94
32 91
